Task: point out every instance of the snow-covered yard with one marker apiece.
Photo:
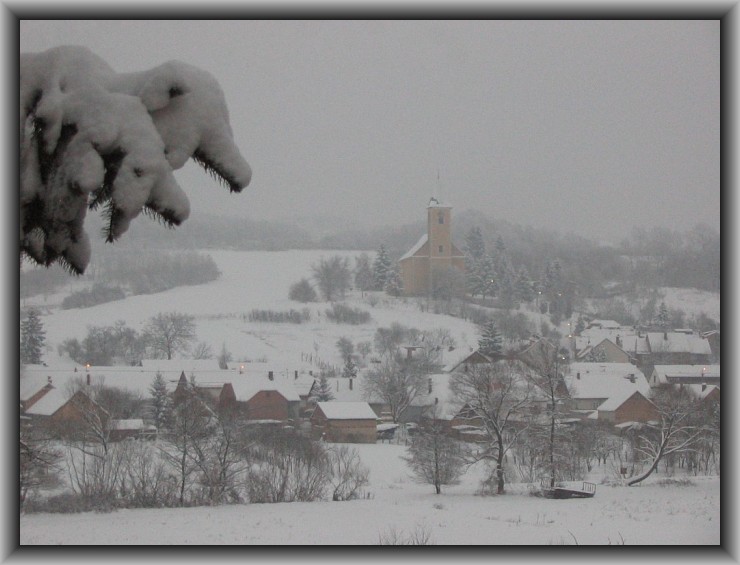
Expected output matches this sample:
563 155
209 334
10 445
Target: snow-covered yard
647 514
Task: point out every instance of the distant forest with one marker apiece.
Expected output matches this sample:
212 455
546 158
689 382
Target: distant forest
646 258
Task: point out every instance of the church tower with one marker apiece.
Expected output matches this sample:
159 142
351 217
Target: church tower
439 230
425 263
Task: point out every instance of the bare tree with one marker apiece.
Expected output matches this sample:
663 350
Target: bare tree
332 276
167 333
434 457
348 474
548 366
397 382
677 429
202 350
495 396
39 460
189 424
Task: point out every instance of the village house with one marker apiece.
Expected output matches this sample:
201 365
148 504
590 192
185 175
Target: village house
678 348
628 406
344 422
605 351
683 375
433 255
353 390
591 384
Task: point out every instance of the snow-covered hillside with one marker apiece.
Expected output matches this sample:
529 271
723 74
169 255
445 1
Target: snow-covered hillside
260 280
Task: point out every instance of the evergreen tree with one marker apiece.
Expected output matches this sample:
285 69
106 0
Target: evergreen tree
350 369
321 392
663 315
224 357
32 338
364 279
523 287
580 325
381 268
491 341
393 283
475 247
161 403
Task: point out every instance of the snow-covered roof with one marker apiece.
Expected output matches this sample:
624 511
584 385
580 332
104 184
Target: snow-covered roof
676 342
419 244
614 402
347 410
604 324
49 403
676 373
439 397
247 387
604 380
132 379
340 389
180 365
436 203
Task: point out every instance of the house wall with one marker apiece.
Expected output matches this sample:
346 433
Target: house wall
343 431
636 409
415 274
267 405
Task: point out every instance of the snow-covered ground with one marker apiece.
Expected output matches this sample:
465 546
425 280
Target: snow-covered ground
646 514
649 514
257 280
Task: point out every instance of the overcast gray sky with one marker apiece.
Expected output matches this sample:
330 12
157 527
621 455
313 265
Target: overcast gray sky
585 126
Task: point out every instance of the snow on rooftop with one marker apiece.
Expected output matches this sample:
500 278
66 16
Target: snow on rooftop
675 342
246 388
52 401
604 380
347 410
615 401
419 244
180 365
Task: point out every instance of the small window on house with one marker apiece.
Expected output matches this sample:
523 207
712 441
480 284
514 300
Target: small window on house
441 218
441 248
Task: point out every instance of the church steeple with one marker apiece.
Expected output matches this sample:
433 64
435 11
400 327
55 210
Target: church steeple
438 228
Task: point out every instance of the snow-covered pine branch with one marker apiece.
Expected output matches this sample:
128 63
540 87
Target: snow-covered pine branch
92 138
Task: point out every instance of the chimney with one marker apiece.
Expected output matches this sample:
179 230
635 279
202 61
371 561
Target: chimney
436 400
350 384
295 377
270 375
632 378
578 376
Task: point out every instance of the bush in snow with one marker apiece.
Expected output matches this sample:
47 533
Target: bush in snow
91 138
302 291
287 467
348 474
342 314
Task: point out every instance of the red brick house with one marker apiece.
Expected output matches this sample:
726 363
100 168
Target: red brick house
344 422
629 407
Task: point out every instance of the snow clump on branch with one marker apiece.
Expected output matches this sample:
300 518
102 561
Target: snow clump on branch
91 138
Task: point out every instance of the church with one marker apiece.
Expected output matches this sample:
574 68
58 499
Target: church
433 254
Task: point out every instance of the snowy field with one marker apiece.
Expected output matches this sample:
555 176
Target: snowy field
649 514
256 280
